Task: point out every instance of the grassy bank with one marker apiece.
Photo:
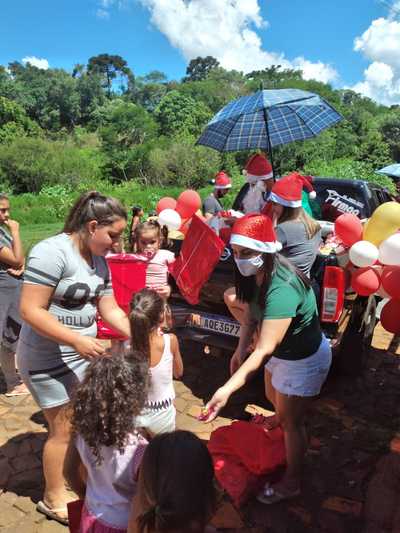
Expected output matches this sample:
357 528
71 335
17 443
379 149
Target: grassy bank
42 215
52 204
33 233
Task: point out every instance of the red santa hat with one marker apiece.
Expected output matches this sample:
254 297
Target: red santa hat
256 232
258 168
287 191
222 181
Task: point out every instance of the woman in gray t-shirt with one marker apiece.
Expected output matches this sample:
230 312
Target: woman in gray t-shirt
66 283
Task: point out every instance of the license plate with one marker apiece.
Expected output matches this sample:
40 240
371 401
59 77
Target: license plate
215 324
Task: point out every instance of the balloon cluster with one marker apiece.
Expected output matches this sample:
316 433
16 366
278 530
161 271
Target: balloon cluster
176 214
375 249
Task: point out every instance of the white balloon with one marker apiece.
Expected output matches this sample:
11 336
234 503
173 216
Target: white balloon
363 254
170 218
389 250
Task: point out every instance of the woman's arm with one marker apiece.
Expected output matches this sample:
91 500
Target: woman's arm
113 315
35 301
272 334
178 363
15 256
73 467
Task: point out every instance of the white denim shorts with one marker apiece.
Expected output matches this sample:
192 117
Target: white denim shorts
304 377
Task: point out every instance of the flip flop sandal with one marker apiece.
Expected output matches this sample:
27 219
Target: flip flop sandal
270 495
16 392
53 514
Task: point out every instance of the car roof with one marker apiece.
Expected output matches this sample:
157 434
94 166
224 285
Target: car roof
346 182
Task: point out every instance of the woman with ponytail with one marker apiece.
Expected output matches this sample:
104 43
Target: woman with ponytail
162 353
66 283
176 491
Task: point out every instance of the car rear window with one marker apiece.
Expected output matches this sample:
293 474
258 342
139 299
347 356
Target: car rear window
334 200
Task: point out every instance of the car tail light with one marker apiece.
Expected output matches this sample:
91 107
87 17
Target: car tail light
332 296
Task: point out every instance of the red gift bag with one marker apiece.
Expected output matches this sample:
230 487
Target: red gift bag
245 456
200 252
128 276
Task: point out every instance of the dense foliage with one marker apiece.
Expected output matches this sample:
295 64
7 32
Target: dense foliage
100 122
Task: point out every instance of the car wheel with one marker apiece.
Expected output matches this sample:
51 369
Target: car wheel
357 339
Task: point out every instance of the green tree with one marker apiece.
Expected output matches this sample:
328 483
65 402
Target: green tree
31 163
182 163
149 90
14 123
219 88
199 68
272 77
125 127
178 113
110 67
390 130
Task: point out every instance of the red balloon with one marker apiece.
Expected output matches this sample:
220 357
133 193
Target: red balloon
165 203
365 281
390 316
391 281
348 228
188 203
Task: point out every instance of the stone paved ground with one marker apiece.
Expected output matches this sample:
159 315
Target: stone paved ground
353 465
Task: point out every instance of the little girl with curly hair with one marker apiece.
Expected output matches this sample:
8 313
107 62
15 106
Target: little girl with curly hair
105 452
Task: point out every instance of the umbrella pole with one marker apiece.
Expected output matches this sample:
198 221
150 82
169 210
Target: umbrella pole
269 147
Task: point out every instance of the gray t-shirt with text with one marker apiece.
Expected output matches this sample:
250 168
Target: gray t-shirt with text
56 262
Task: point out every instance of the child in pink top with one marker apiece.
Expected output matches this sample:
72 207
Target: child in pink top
105 453
149 239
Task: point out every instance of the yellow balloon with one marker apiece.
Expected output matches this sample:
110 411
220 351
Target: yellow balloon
384 222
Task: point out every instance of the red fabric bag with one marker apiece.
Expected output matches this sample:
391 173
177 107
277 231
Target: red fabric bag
245 456
128 276
200 252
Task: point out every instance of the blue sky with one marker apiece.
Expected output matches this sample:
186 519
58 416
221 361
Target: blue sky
315 35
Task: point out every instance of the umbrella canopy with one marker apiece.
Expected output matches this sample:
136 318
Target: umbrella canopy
268 118
392 171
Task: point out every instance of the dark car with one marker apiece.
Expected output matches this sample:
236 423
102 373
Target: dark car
347 319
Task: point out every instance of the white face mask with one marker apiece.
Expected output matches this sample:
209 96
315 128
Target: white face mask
249 267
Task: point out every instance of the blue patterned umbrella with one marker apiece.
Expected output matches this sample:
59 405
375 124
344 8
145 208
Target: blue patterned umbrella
392 170
268 118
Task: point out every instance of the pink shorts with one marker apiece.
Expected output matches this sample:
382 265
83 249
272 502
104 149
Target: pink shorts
91 524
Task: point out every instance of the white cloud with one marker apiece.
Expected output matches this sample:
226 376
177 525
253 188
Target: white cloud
36 62
380 44
102 14
225 29
315 71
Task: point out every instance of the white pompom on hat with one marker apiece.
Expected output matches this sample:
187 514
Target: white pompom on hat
256 232
288 190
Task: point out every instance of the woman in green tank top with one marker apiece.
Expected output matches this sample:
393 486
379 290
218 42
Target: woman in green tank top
290 343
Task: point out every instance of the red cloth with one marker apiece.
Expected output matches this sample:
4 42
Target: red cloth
128 276
74 515
245 456
200 252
